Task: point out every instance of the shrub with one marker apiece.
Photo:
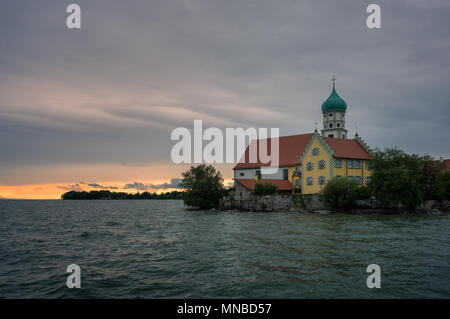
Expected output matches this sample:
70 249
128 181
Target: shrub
340 193
262 189
363 192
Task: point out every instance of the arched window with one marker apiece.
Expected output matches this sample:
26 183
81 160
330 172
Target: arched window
331 125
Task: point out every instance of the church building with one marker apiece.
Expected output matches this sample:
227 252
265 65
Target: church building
308 161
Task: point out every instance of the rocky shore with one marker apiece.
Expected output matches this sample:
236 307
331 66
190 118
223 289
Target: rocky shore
313 204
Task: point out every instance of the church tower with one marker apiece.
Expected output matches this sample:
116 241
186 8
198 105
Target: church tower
333 110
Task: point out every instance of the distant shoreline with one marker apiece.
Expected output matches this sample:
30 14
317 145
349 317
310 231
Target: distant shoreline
117 199
108 195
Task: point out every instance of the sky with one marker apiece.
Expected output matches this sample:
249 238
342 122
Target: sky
94 108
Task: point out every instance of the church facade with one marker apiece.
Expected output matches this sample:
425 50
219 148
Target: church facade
308 161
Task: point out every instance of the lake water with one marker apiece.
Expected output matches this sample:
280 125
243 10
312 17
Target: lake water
157 249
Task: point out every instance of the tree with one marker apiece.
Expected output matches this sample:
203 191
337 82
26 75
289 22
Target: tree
398 177
340 193
203 185
430 172
396 185
264 189
443 186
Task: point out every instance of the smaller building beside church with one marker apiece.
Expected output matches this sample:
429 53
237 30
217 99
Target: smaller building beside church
308 161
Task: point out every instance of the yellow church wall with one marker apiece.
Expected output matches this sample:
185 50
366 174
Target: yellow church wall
340 171
355 172
345 171
315 172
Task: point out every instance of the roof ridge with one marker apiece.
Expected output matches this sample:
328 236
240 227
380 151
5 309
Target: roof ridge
284 136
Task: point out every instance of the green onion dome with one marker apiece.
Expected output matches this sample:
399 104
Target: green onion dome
334 103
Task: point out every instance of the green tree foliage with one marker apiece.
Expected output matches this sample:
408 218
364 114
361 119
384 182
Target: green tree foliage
396 185
340 193
263 189
430 172
106 194
398 177
203 185
363 192
443 186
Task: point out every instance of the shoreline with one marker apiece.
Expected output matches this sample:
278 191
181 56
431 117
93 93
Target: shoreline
313 204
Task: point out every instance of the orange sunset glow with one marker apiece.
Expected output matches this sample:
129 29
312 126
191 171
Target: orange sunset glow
54 191
47 182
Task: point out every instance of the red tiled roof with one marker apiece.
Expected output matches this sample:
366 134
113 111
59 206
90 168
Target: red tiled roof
343 148
292 148
283 185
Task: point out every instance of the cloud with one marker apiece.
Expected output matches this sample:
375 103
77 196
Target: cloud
113 92
73 187
174 183
95 185
137 185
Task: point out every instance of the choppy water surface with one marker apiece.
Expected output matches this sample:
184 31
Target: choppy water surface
157 249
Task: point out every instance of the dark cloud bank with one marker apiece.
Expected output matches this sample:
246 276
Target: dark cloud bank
114 90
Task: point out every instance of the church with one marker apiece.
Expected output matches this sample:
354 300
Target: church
308 161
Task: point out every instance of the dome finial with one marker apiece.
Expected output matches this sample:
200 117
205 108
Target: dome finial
334 101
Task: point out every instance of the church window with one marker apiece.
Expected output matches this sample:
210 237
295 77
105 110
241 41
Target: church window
315 151
309 181
330 135
338 163
354 164
309 166
338 124
331 125
331 115
321 180
321 164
